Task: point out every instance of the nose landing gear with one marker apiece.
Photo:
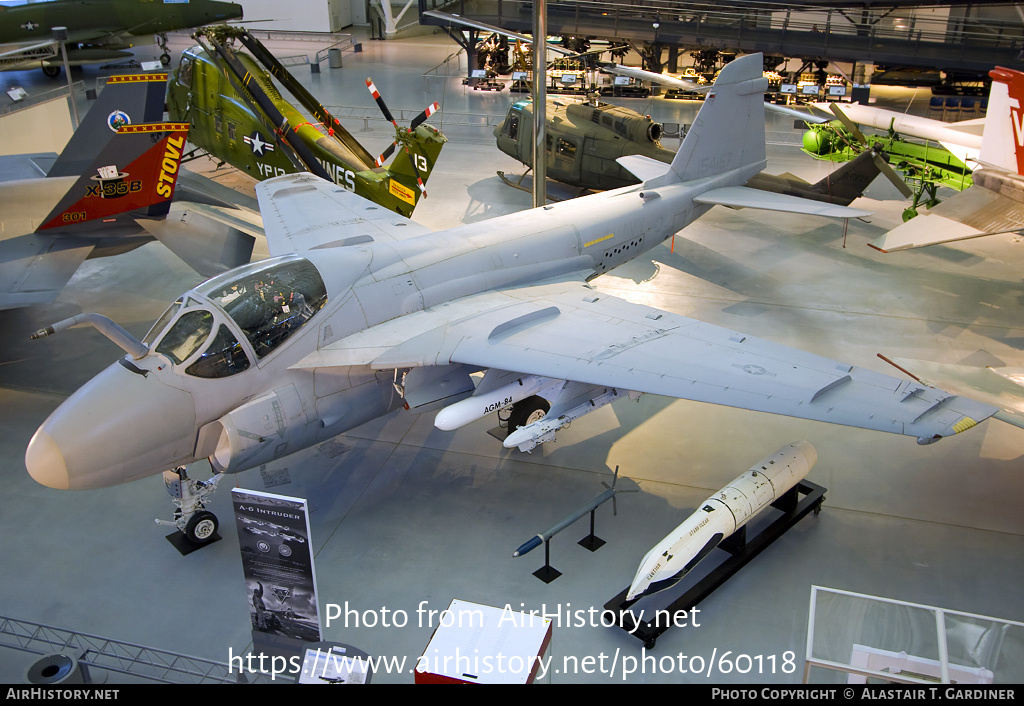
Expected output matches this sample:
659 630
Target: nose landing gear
197 525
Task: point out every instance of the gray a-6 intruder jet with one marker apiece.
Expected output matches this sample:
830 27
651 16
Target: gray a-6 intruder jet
361 311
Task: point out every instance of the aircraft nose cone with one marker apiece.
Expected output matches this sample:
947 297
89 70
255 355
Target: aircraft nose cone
119 426
45 462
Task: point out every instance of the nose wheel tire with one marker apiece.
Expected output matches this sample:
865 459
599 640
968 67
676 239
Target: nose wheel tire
201 527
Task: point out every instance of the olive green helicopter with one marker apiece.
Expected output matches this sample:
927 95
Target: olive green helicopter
237 115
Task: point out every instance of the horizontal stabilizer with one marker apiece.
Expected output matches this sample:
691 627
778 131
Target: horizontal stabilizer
208 238
34 268
924 229
968 214
744 197
974 127
643 168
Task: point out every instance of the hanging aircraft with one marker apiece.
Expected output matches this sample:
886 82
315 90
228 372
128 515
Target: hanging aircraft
359 312
79 210
238 116
962 139
995 202
101 30
925 166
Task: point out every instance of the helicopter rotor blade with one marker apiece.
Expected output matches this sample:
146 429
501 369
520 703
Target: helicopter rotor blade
427 112
380 102
387 153
402 134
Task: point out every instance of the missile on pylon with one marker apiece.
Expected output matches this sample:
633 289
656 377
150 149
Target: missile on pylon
480 405
720 516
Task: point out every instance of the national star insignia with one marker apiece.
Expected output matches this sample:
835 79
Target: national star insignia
255 141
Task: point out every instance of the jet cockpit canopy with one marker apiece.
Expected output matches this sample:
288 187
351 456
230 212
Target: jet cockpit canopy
263 303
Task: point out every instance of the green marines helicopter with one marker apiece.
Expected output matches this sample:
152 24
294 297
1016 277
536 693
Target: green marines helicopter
237 115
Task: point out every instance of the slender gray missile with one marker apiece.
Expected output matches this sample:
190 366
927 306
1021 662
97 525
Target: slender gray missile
592 504
720 516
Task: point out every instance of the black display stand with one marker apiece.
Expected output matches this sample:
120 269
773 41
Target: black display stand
592 541
741 549
548 573
186 546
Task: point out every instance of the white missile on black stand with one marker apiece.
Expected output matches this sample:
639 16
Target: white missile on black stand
720 516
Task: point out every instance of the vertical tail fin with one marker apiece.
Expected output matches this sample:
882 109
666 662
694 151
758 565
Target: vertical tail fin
133 176
411 170
1002 142
132 98
728 132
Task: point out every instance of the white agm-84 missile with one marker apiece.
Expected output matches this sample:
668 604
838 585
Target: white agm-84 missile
479 406
720 516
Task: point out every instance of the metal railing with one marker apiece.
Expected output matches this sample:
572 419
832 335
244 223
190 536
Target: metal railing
37 98
665 20
371 116
403 116
121 657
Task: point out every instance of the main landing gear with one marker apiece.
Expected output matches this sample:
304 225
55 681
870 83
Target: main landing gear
527 411
165 57
198 525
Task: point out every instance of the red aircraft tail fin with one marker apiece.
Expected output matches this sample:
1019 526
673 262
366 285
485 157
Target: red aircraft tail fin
133 176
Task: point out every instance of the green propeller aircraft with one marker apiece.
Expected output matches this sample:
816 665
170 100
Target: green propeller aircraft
925 166
238 116
101 30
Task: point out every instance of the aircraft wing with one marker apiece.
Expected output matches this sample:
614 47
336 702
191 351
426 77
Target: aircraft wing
570 332
971 213
1003 387
35 267
304 212
647 169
